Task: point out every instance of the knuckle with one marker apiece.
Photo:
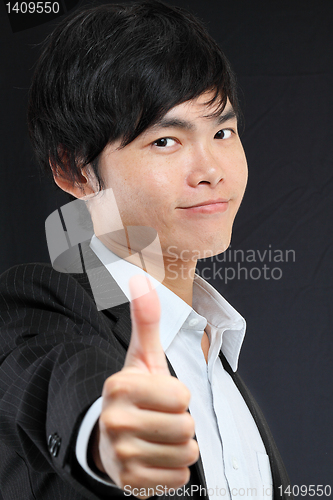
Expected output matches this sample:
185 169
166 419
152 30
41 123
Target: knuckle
114 421
188 427
181 477
181 395
117 386
123 452
186 395
193 451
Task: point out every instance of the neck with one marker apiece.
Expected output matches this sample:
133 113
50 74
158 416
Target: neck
179 277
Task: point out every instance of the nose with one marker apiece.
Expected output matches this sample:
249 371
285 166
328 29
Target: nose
207 167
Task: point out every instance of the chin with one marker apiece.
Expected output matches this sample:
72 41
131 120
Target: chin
204 254
196 250
215 246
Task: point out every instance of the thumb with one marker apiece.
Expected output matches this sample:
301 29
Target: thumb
145 350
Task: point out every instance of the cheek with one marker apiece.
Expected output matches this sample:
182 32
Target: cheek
240 174
143 201
243 176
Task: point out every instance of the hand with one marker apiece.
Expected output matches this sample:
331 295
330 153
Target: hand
145 436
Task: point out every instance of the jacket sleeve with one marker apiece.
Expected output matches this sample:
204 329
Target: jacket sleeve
56 352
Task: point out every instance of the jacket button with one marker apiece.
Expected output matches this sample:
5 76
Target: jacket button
54 443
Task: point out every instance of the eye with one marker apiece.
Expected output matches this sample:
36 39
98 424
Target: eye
164 142
225 133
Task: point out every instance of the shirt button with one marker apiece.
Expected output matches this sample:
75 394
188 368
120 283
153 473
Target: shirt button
193 322
234 463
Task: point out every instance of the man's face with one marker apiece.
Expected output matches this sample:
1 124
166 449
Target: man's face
185 177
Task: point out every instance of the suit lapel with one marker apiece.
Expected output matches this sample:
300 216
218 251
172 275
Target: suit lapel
279 473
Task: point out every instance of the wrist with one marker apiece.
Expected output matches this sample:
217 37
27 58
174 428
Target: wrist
94 458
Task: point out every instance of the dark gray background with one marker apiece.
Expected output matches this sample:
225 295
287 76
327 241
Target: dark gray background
282 53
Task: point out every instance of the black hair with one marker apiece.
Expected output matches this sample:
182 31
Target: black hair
111 71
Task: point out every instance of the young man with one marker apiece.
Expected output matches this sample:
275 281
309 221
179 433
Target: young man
134 109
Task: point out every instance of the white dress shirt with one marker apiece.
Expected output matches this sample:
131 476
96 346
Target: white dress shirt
232 452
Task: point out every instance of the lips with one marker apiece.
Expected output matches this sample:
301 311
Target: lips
208 206
208 202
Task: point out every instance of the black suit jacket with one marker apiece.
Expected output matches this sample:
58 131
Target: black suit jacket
57 349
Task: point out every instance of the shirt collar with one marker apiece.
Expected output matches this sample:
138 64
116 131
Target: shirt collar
221 317
207 303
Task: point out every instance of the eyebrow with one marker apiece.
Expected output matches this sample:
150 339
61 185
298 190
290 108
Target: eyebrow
224 117
165 122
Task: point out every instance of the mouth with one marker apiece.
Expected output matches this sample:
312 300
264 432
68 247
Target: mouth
208 206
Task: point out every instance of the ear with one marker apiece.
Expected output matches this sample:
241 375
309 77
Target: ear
84 186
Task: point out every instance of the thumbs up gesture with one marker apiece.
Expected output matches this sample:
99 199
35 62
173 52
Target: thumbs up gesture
145 435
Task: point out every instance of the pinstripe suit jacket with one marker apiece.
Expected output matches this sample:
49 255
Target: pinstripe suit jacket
56 352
